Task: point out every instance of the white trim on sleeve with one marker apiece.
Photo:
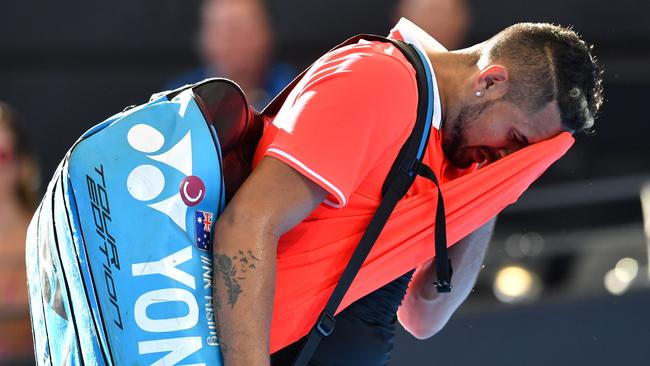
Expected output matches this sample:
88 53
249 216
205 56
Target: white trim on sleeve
315 175
332 204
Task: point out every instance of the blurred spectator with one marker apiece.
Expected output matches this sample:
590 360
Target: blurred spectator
19 183
446 20
236 41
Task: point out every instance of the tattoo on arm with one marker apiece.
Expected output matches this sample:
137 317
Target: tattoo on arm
233 269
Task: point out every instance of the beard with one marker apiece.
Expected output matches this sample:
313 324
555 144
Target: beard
454 133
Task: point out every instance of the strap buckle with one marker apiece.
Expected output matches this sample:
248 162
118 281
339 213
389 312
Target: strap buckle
325 325
442 286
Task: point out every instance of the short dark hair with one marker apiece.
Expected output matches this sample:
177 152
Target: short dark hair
547 62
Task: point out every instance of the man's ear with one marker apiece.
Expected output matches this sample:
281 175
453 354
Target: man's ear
492 81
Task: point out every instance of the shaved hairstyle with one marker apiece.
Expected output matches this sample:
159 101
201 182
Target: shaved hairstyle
547 62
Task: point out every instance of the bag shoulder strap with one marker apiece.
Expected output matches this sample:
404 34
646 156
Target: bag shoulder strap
406 167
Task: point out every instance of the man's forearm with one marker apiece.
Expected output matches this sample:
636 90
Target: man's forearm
273 199
425 311
244 283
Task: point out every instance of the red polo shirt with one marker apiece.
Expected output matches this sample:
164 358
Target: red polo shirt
342 127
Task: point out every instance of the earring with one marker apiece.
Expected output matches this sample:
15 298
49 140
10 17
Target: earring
478 93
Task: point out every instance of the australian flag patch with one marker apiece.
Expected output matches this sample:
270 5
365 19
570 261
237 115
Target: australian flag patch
203 230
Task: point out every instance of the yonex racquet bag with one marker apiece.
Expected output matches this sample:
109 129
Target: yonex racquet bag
119 251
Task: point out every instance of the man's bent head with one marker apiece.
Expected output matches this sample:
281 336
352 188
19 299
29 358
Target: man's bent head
529 82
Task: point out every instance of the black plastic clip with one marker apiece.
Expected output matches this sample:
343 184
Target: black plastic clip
325 325
442 286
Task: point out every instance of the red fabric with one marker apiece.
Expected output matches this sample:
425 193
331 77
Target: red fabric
346 120
342 127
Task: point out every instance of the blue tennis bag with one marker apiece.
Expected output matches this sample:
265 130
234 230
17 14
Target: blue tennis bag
119 251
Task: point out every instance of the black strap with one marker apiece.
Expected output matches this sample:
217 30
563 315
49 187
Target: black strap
325 324
444 269
407 160
399 180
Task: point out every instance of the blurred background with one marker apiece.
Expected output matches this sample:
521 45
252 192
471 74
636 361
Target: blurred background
566 279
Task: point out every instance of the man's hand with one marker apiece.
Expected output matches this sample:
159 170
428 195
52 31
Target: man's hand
274 199
425 311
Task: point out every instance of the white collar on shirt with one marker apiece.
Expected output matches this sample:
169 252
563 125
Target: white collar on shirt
416 36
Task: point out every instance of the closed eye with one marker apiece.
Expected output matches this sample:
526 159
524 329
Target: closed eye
519 139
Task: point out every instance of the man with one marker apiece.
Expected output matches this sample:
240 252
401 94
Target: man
446 20
227 50
323 159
